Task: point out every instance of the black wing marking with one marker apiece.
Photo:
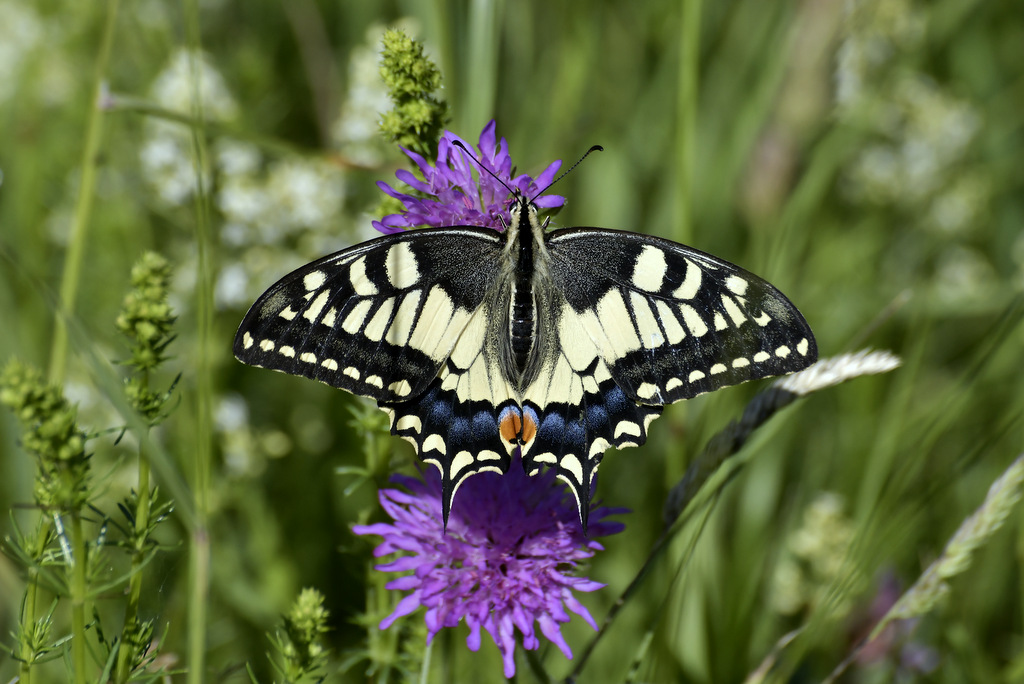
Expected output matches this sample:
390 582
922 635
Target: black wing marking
379 319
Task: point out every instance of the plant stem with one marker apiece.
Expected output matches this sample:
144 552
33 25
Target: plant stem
26 673
126 652
481 66
689 57
199 594
79 566
83 208
199 571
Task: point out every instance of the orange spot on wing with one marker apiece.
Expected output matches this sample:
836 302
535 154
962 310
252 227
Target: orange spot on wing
510 424
529 428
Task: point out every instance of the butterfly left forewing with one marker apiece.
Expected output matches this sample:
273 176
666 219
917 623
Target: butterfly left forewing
379 319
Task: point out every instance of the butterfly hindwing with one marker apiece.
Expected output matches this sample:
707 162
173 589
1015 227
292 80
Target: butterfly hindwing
642 322
579 414
460 423
378 320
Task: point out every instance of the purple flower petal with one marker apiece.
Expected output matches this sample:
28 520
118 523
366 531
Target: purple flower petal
404 607
379 529
551 631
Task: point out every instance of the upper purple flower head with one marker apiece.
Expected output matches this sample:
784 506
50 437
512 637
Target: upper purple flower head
465 195
507 560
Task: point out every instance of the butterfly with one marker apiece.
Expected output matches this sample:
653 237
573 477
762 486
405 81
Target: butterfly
560 344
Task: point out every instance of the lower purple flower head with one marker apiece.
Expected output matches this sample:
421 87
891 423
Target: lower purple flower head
458 192
505 563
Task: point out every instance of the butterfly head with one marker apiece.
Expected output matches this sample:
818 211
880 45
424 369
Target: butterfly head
523 219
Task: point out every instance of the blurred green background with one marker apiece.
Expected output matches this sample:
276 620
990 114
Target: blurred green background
865 157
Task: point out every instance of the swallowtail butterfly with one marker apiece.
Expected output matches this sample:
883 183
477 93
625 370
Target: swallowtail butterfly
559 343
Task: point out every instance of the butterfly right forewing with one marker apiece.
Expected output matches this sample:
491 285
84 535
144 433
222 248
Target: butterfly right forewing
673 322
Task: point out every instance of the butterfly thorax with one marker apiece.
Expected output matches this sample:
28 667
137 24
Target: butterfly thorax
523 295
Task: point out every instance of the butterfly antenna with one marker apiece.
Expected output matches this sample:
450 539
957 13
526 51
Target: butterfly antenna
594 148
458 143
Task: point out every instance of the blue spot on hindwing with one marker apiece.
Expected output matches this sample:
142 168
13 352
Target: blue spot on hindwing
552 428
529 414
484 425
617 402
597 417
460 431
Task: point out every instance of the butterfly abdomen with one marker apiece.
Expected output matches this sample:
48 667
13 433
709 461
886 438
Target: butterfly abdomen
521 326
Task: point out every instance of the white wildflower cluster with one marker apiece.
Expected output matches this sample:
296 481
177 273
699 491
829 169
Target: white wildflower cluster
21 34
924 134
29 60
356 131
814 556
965 276
876 32
246 447
231 420
167 152
174 86
265 203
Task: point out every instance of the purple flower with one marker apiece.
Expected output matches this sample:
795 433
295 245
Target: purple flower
465 195
505 563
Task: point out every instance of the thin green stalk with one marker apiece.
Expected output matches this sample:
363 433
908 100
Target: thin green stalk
442 27
480 76
382 644
199 595
26 671
536 665
83 208
126 653
425 665
79 566
689 57
199 572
